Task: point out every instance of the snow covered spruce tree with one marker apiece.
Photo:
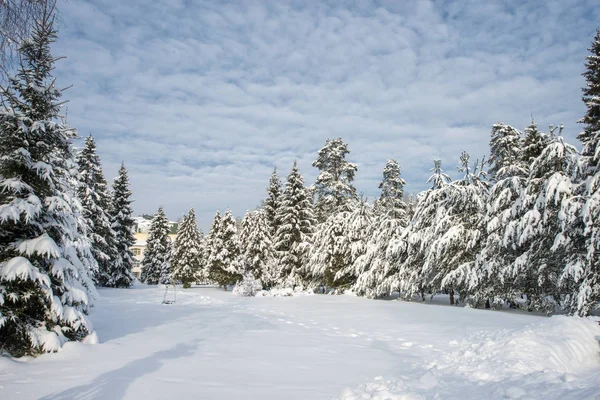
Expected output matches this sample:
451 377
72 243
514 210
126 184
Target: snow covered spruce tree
95 198
533 143
508 173
581 276
258 256
431 206
338 243
391 201
459 232
44 253
210 244
378 268
187 253
156 265
333 186
271 204
537 233
224 262
122 224
296 223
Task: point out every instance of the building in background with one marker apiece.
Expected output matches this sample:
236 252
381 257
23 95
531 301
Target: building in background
142 226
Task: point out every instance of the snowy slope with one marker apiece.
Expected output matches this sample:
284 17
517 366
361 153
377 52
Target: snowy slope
213 345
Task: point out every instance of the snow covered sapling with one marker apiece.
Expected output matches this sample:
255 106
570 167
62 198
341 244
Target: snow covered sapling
156 265
248 286
122 223
186 261
45 283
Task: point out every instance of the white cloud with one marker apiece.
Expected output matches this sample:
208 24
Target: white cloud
202 99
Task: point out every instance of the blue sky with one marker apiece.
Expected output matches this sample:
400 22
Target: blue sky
201 99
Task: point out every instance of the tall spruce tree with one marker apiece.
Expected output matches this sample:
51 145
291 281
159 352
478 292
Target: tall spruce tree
187 251
225 267
156 264
457 233
511 171
271 204
537 233
45 257
431 207
333 186
378 270
122 223
296 224
95 199
581 276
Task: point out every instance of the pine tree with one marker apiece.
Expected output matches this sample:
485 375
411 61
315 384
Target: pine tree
224 261
591 97
122 223
292 240
95 200
581 276
378 268
334 184
329 253
210 244
338 243
156 265
457 233
166 272
511 171
438 178
258 255
246 226
45 257
537 234
505 150
391 201
272 201
533 143
186 261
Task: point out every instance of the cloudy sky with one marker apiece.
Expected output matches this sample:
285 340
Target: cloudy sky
201 99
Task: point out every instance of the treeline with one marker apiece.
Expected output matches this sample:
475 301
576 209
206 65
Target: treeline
521 228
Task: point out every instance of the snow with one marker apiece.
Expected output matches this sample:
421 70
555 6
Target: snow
212 344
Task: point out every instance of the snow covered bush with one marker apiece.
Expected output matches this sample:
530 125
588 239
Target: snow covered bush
248 286
285 292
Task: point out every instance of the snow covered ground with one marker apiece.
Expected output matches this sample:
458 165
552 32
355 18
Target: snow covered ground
214 345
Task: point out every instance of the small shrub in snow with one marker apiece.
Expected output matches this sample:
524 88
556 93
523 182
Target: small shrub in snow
284 292
249 286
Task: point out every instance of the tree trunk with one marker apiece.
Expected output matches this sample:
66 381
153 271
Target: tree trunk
451 297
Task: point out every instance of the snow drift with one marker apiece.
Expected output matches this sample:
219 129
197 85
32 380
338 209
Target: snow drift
538 361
